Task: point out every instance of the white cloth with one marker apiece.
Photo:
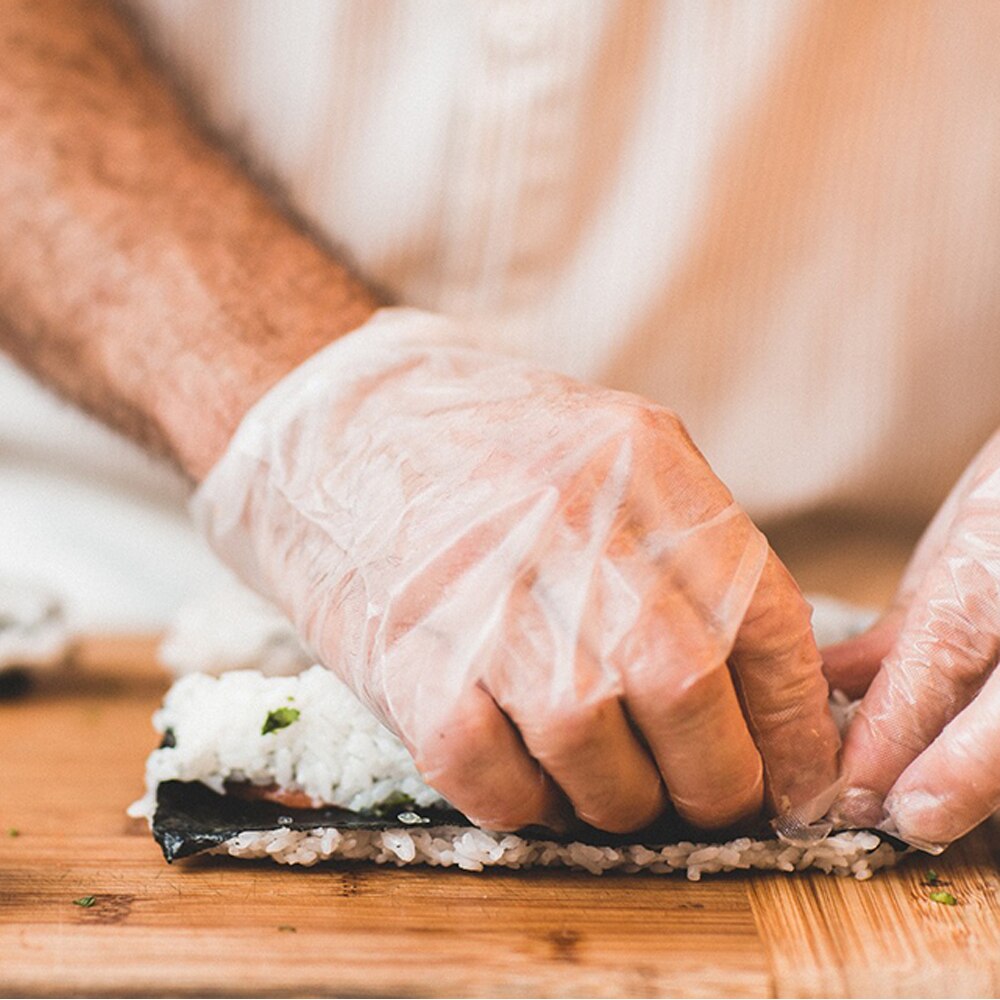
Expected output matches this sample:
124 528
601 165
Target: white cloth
781 219
87 515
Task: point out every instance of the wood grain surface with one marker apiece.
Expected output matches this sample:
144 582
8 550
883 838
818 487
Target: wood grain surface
71 759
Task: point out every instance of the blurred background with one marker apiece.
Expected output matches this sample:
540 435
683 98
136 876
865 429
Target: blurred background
781 219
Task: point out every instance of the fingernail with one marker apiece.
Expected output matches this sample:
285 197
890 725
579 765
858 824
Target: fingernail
804 824
920 820
860 807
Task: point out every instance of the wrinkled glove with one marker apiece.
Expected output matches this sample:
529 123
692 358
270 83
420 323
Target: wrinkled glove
922 755
539 585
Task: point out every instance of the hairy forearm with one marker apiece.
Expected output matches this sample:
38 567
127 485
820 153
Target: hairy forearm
142 273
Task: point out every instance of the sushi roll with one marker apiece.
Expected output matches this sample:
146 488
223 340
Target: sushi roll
295 769
33 634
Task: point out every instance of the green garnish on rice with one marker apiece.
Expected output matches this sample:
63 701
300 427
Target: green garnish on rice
279 718
85 901
13 832
932 877
944 898
394 800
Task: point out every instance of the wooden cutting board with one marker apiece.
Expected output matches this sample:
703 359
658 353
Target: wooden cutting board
71 759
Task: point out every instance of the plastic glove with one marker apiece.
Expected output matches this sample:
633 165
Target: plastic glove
537 584
922 755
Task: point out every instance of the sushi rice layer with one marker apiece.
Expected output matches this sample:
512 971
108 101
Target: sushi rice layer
857 853
330 747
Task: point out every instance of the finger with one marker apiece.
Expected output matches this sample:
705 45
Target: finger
570 716
943 525
678 690
592 753
955 783
851 665
479 764
946 649
688 711
785 696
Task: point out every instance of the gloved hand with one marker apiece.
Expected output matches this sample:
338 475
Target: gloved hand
922 755
539 585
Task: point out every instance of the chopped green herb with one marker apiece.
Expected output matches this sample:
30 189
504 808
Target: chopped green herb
13 832
85 901
288 928
932 877
279 719
394 800
945 898
398 799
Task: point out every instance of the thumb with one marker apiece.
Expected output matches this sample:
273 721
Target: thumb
850 665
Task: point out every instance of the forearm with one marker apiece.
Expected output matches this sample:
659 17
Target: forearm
142 274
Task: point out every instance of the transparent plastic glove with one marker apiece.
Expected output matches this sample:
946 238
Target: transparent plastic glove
922 755
539 585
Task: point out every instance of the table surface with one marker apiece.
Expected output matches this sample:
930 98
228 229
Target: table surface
73 752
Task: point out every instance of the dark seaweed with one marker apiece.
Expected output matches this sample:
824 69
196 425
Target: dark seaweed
191 818
14 682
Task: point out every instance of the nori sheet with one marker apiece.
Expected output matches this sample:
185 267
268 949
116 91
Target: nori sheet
191 818
14 682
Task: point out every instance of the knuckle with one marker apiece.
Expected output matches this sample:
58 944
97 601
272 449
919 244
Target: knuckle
571 742
644 420
439 766
462 741
467 758
569 730
796 696
617 814
510 815
952 645
685 698
725 799
901 731
779 622
486 798
726 808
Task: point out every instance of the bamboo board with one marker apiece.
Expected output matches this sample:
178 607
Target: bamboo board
71 759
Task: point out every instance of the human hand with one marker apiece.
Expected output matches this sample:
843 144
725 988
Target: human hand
539 585
922 755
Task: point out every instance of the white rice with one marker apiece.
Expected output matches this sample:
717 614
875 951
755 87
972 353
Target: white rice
335 752
858 853
33 631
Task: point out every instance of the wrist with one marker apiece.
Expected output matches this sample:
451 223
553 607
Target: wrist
314 413
210 389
